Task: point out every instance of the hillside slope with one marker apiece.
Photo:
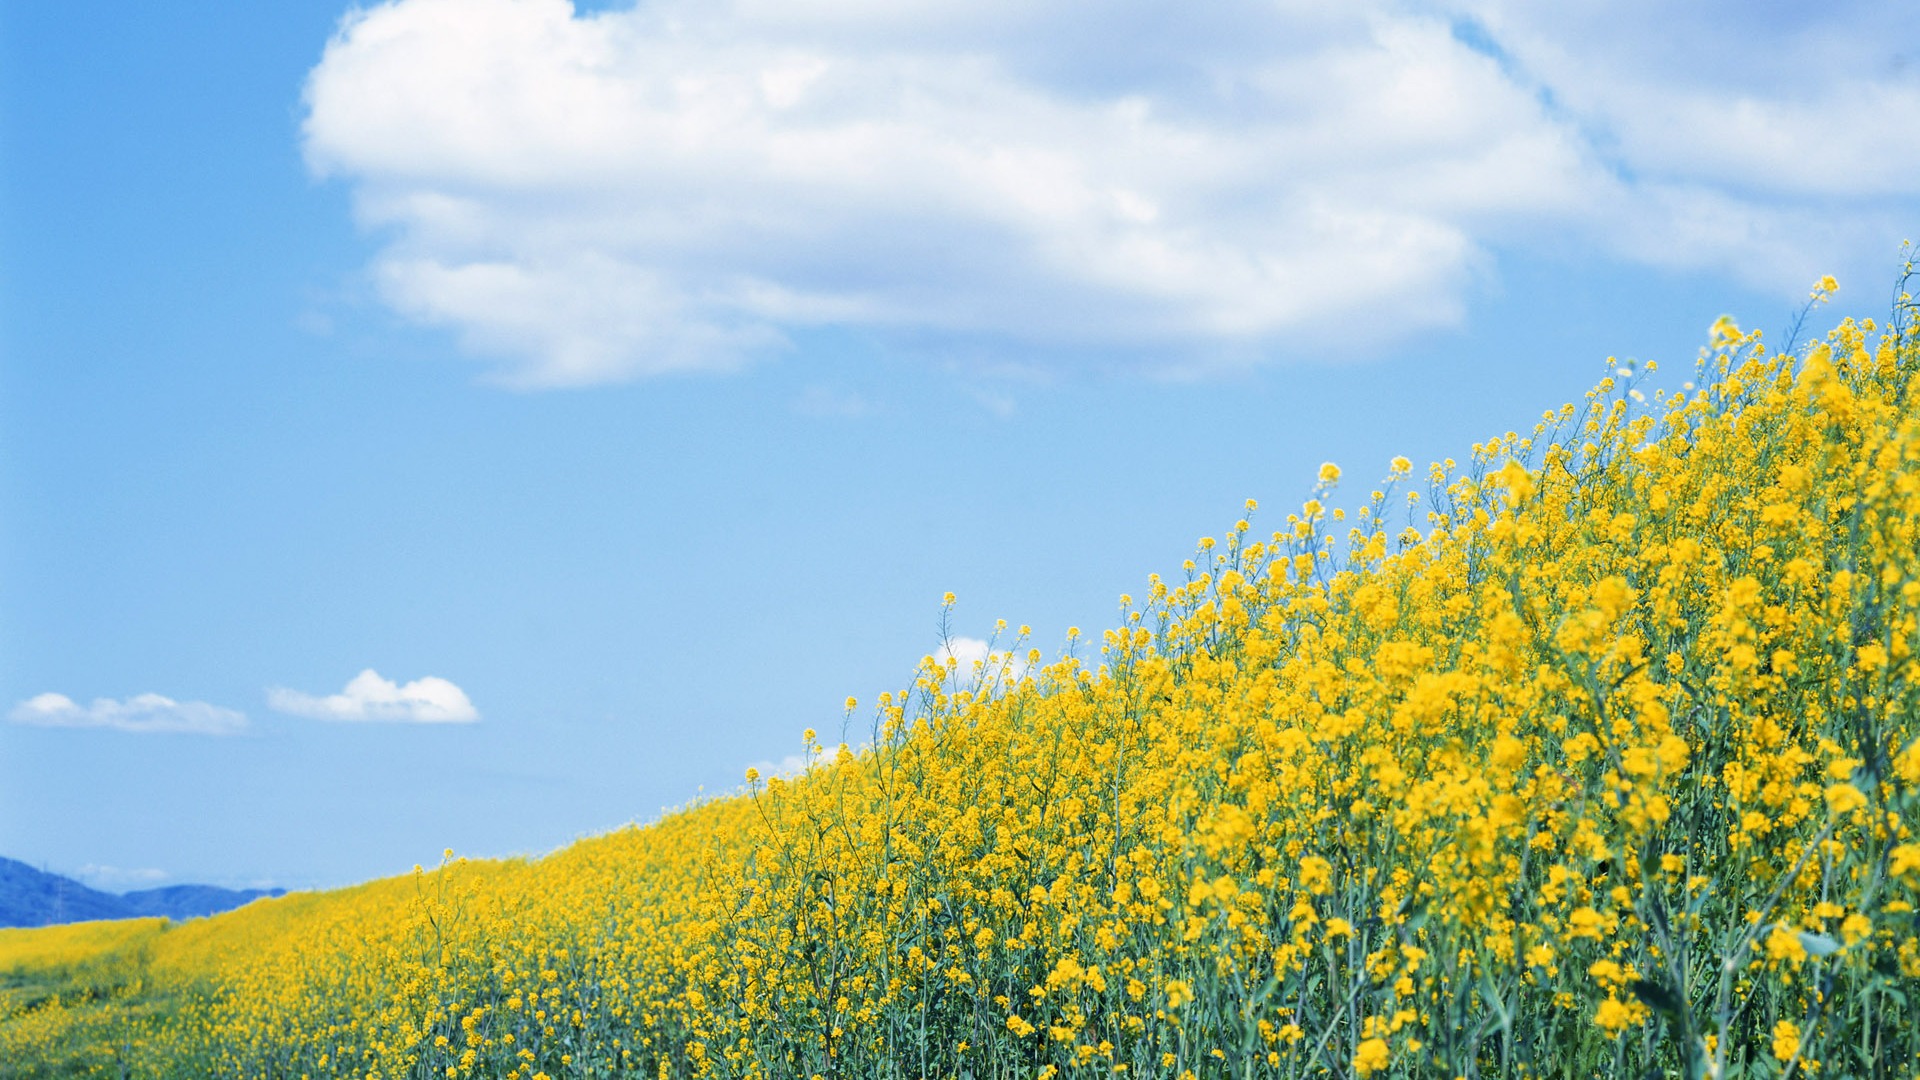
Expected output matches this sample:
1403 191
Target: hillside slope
1594 756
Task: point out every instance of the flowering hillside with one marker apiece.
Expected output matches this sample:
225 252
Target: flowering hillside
1594 755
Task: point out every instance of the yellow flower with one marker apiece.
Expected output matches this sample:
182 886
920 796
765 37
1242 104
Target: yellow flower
1904 860
1519 483
1612 1016
1316 875
1784 944
1584 923
1786 1040
1856 927
1370 1056
1844 799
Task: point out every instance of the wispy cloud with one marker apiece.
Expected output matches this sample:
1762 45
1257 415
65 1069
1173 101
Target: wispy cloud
145 713
825 402
120 879
676 187
368 697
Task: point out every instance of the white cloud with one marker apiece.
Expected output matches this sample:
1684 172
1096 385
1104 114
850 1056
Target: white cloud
140 713
371 698
1799 99
678 186
118 879
1747 139
824 402
972 663
788 767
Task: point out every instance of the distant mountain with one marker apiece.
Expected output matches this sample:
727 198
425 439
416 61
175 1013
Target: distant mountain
30 897
191 901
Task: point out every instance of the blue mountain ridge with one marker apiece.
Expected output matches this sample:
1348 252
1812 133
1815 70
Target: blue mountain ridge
30 897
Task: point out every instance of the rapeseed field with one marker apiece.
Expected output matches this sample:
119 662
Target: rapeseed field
1594 754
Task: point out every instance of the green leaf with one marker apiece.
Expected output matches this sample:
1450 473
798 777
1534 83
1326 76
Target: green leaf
1656 996
1818 944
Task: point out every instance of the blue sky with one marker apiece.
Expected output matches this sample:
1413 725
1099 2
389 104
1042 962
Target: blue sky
625 386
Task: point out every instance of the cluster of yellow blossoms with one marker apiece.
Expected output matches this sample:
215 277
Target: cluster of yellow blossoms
1599 756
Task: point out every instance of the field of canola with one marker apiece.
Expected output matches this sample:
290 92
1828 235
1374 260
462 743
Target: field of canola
1596 755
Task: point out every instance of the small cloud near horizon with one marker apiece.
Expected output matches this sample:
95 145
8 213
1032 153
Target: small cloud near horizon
975 661
787 767
116 879
371 698
142 713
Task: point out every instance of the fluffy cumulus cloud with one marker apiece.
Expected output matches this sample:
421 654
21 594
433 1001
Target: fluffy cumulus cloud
368 697
146 713
680 185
